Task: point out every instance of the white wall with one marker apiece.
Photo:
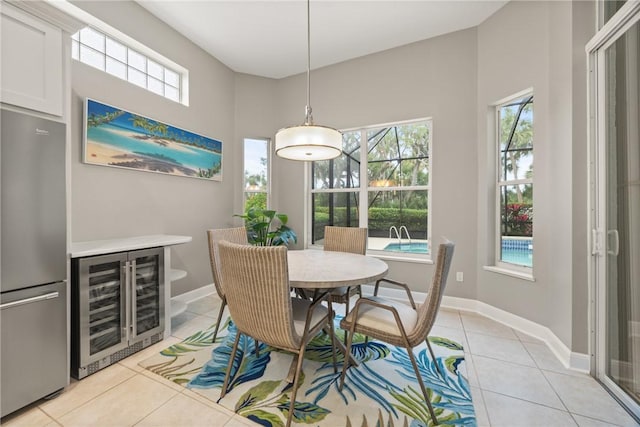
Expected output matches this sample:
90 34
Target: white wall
111 203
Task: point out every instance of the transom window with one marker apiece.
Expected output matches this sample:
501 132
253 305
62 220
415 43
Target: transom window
514 247
95 48
394 161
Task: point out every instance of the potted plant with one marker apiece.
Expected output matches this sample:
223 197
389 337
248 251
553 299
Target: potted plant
267 227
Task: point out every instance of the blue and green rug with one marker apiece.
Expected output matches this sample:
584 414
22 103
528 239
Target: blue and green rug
381 391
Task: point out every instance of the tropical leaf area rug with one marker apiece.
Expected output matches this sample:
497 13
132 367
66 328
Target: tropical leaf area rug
381 391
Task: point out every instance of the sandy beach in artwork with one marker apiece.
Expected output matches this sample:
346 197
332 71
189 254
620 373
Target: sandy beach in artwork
154 140
107 155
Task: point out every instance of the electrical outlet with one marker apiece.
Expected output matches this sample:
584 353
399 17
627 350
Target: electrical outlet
459 276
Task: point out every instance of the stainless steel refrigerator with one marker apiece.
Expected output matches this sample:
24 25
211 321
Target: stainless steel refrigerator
33 287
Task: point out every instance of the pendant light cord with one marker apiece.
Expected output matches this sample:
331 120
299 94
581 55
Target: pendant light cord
308 116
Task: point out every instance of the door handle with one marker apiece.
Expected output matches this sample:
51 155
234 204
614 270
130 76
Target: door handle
44 297
134 299
616 240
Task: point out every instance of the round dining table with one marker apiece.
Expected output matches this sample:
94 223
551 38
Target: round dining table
315 269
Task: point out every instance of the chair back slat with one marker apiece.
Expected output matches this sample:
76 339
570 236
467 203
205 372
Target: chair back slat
345 239
233 235
428 311
256 280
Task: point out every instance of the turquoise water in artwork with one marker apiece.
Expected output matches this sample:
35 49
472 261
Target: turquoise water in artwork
123 139
513 251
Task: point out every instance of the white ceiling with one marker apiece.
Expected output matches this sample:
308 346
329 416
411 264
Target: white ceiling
269 37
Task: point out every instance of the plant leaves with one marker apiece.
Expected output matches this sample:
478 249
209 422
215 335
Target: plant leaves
452 363
445 342
264 418
305 412
257 393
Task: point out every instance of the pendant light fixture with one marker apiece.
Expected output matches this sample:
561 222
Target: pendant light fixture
308 141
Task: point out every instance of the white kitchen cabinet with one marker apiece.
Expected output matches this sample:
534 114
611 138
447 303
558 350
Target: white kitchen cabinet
32 62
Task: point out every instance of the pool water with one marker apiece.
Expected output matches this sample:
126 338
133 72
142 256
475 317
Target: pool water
411 248
514 255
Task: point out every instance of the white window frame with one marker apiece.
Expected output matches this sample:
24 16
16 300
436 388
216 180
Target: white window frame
245 192
130 42
363 192
519 270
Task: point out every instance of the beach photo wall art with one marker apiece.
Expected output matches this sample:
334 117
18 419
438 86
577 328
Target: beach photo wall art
119 138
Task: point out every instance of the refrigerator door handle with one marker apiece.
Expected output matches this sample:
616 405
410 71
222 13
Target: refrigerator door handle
44 297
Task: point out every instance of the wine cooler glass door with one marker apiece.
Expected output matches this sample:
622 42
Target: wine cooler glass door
147 290
103 306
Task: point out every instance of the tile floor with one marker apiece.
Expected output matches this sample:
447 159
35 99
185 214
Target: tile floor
515 381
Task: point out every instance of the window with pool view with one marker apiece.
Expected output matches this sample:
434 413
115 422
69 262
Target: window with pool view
514 247
256 173
386 170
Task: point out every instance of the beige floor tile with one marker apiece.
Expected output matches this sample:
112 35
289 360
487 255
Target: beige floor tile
182 318
590 422
454 334
132 361
202 399
207 306
27 417
585 396
507 350
182 410
471 374
449 318
507 411
527 338
545 359
513 380
198 323
482 418
482 325
123 405
82 391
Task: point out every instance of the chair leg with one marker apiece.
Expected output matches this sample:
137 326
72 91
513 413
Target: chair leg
333 338
345 364
230 365
295 384
433 357
422 387
346 312
222 306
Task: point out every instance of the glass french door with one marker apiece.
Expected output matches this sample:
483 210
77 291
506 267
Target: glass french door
615 66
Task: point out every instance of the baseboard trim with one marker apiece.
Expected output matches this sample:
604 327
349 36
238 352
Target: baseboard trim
195 294
570 360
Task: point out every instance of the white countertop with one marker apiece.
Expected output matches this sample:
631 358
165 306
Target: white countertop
99 247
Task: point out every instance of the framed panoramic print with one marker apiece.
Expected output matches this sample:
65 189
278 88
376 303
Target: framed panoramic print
119 138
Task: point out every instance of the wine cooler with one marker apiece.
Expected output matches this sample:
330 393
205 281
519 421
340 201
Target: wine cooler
117 307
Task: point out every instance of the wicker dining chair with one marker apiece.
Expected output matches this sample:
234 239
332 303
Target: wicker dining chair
345 239
234 235
401 324
256 281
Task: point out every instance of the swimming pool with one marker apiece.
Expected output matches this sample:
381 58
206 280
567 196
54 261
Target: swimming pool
513 251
